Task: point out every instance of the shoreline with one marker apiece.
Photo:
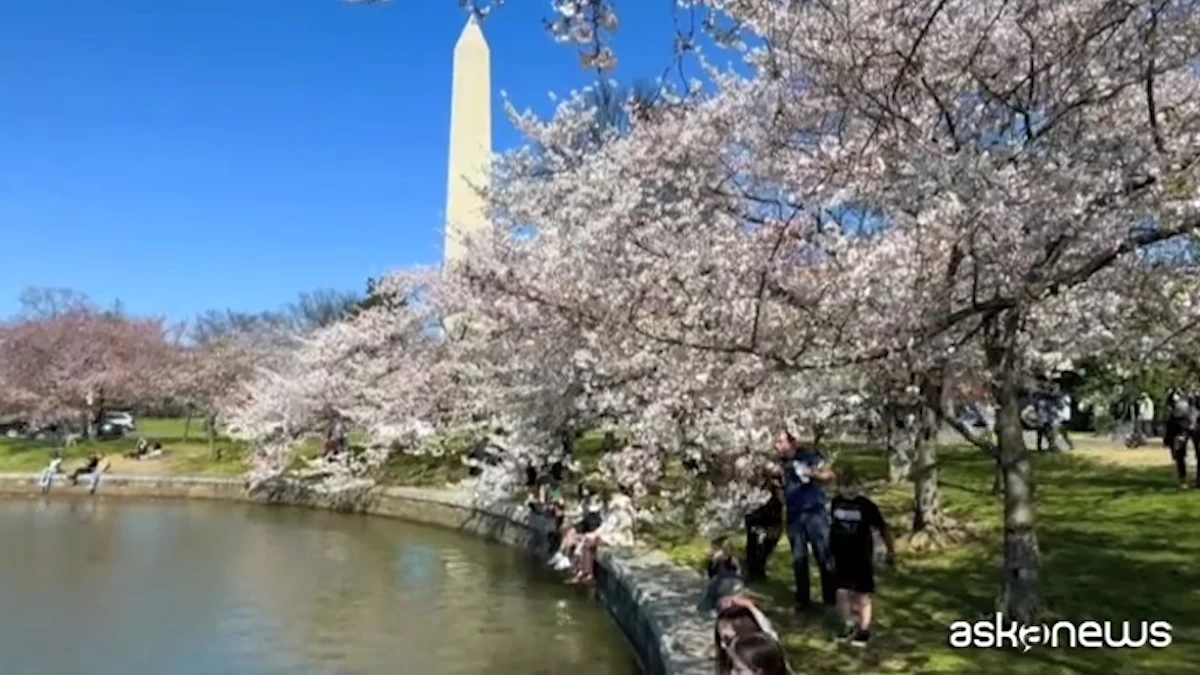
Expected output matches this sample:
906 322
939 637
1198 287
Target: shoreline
651 599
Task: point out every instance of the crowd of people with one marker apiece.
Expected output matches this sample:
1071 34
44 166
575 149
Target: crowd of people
603 516
837 530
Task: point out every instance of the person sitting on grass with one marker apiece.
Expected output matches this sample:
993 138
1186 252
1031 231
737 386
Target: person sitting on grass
142 447
88 467
854 518
616 529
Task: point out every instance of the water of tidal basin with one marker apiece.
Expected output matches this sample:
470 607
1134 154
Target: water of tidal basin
202 588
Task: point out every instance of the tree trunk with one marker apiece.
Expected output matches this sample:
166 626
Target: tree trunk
1020 587
902 436
187 424
1020 597
927 508
210 428
93 414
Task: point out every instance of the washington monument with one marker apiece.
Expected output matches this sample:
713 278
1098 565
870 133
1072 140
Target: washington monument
470 141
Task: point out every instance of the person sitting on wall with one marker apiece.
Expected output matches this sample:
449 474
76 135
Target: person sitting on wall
88 467
616 529
591 516
48 474
102 467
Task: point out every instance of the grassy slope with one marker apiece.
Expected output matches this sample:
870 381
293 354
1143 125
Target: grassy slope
1117 544
1117 539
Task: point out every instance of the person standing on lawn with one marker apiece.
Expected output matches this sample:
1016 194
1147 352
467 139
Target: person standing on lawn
805 472
1145 415
1181 428
1062 415
764 525
855 518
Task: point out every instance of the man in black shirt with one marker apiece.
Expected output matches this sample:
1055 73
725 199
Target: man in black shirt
852 543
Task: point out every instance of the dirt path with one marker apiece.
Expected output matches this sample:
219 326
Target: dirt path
124 465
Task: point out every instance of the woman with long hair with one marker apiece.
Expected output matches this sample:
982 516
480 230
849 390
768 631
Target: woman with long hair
745 641
616 529
756 654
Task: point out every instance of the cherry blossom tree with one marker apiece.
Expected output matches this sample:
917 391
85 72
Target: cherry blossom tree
925 187
70 363
380 369
210 377
1002 162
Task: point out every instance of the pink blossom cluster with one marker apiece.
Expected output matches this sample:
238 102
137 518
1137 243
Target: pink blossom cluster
880 187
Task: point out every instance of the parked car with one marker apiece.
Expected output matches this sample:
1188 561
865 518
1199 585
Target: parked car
12 427
119 419
115 425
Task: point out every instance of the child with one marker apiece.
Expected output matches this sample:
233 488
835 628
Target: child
724 576
853 517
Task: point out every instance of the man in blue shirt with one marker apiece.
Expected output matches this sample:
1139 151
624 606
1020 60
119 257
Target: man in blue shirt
805 473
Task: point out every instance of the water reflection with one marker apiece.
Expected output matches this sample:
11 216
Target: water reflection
190 587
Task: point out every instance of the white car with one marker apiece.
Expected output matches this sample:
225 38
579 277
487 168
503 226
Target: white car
122 420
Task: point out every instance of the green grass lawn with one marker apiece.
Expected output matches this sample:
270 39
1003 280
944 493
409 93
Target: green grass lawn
183 457
1118 543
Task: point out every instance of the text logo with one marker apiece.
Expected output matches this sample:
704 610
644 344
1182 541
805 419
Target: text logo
1002 634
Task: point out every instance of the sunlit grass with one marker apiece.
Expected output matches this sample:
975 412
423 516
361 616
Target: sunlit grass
1117 543
192 456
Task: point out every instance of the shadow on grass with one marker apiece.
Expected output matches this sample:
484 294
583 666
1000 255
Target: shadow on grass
1117 542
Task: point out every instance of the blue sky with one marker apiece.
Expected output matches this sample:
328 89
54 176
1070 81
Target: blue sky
183 155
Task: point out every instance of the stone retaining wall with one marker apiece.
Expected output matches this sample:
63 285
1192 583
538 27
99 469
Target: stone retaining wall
651 599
